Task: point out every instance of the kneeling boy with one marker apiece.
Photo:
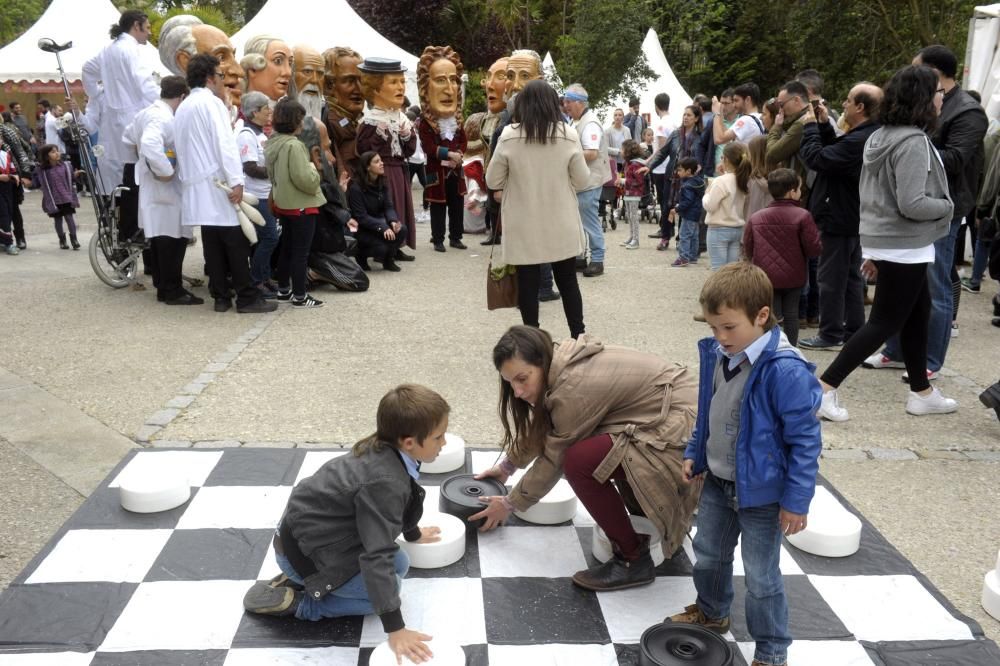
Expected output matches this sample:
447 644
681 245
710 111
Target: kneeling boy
336 542
756 443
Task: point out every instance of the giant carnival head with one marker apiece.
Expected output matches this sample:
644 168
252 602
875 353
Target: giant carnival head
309 70
383 83
268 64
439 82
342 81
523 66
184 36
495 85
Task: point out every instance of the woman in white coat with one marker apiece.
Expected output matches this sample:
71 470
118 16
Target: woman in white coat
152 135
538 165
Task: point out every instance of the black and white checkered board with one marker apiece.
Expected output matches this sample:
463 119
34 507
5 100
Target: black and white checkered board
119 588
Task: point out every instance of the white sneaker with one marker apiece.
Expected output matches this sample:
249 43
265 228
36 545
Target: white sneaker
932 403
878 360
830 408
626 243
634 245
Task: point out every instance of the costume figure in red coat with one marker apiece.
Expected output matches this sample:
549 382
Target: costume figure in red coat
442 138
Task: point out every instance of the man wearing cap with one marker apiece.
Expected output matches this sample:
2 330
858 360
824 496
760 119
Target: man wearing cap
595 151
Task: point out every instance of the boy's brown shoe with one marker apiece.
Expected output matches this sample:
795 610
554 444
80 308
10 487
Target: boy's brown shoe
693 615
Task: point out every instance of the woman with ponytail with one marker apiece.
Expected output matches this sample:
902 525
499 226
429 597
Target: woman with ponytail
725 203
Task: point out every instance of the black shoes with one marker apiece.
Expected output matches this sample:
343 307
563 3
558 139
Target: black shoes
223 304
439 247
62 242
581 264
594 269
551 295
75 243
363 263
391 266
259 306
268 599
491 240
402 256
991 398
307 302
457 244
619 573
187 299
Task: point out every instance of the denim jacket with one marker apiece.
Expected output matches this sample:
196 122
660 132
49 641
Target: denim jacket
779 442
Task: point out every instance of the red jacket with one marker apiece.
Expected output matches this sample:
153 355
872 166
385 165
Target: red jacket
437 148
779 238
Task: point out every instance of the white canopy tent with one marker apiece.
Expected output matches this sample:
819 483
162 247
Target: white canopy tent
85 22
662 81
550 73
982 57
323 25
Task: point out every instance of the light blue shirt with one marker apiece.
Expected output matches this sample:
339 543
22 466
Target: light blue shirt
412 466
751 353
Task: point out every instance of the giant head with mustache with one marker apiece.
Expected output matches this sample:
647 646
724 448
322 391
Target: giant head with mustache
309 71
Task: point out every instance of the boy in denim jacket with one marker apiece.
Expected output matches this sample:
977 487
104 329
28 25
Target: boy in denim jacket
756 445
688 209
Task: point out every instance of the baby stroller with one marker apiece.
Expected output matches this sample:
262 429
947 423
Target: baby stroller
647 204
609 197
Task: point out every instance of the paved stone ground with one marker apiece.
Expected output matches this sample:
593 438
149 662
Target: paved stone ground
89 371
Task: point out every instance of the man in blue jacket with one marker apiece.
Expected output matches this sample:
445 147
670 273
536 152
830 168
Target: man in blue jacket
835 205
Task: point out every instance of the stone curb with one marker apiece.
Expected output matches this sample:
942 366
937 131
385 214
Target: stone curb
896 455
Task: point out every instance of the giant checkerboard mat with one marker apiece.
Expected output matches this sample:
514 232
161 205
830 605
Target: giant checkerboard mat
119 588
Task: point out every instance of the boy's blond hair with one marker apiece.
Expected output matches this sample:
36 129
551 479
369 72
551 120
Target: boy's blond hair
738 286
409 410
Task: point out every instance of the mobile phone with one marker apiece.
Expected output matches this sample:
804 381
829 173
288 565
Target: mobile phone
815 104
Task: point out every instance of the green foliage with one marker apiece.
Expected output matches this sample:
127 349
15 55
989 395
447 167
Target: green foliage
603 50
208 14
475 96
17 16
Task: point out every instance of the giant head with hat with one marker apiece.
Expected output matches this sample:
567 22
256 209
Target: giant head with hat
383 83
439 76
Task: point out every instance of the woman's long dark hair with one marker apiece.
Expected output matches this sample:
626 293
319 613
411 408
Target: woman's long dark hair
524 426
536 109
361 177
909 98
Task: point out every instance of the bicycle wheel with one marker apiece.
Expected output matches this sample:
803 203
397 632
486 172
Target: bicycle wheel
115 268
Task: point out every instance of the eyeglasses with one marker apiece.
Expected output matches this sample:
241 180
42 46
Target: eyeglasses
939 91
219 75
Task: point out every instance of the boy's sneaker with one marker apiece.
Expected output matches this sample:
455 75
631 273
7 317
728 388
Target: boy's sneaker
663 245
969 287
830 409
307 302
283 296
932 403
680 262
931 376
693 615
878 360
634 245
819 342
625 243
265 599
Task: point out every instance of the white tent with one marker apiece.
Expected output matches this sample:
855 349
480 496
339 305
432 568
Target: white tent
982 58
550 73
85 22
662 81
323 25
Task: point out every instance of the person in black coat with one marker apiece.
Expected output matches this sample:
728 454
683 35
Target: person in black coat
380 234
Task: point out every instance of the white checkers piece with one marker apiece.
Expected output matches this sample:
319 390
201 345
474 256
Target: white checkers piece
601 545
450 549
451 457
991 591
151 491
445 654
558 506
831 531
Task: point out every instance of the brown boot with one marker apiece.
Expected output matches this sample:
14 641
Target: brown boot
693 615
619 573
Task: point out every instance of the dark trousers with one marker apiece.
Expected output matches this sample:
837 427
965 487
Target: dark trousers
602 500
6 213
455 209
128 212
841 288
785 307
662 182
902 304
420 171
227 251
564 272
166 258
293 252
15 214
809 298
373 244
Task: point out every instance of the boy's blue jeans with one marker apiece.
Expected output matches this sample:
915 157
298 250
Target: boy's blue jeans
720 524
688 245
351 598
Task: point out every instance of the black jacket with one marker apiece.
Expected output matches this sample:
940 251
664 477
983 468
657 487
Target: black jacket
959 140
371 205
834 200
332 220
345 518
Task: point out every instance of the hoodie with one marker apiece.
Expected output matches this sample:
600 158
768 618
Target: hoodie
689 200
904 191
295 183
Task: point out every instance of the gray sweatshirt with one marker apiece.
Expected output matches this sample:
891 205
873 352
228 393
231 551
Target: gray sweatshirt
904 191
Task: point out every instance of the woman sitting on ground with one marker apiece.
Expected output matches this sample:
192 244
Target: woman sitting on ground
597 413
380 233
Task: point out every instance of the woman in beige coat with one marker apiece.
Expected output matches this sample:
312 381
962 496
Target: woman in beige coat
597 413
538 164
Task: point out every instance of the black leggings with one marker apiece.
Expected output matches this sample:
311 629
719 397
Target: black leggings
785 308
564 272
902 304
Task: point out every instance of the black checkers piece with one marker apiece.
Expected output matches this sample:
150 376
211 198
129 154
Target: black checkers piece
461 494
683 645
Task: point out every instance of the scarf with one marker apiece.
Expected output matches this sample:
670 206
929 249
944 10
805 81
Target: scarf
389 126
447 128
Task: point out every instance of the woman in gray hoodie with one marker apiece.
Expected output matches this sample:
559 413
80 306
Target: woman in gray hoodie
905 207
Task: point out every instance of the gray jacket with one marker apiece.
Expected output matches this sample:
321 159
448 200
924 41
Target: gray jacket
904 191
345 518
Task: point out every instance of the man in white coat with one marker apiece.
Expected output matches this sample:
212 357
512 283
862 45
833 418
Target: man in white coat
126 85
206 153
151 134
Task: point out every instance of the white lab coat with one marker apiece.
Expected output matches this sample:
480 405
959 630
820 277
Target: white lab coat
206 151
52 131
152 133
128 85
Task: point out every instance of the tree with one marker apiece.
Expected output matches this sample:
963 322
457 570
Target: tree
17 16
409 24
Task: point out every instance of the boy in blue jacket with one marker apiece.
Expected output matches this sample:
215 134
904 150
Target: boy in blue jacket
756 445
688 209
